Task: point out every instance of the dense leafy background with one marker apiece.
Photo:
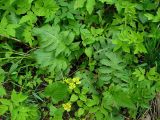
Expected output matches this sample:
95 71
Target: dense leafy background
78 59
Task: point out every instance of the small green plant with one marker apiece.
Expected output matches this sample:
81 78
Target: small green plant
78 59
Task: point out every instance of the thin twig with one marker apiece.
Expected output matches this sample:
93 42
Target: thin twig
15 39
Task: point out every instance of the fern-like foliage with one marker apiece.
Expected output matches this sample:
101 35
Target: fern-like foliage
112 69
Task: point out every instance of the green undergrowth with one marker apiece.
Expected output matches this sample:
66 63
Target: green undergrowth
78 59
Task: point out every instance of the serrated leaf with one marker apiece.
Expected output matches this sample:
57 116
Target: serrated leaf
57 91
46 8
28 35
56 113
17 97
30 18
6 102
3 109
99 115
23 6
48 36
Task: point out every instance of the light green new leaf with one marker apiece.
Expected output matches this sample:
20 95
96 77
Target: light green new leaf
83 97
74 98
80 111
3 109
149 16
93 101
79 4
46 8
28 35
30 18
89 52
2 91
6 28
17 97
108 1
6 102
90 5
139 73
23 6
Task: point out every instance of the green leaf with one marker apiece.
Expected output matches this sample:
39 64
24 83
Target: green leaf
7 29
13 67
90 5
87 37
6 102
108 1
80 112
124 101
83 97
85 90
25 112
94 109
27 34
139 73
57 90
80 103
49 38
2 91
90 102
55 47
46 8
2 75
99 115
18 97
117 97
152 71
57 113
79 4
47 59
30 18
74 98
149 16
89 52
3 109
23 6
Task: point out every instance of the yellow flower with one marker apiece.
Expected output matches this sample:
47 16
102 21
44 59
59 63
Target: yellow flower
76 80
67 81
67 106
72 86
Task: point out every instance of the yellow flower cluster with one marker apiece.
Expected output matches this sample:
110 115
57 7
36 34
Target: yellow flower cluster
73 82
72 86
67 106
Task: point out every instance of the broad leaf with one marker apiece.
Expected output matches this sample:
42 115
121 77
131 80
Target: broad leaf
57 91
